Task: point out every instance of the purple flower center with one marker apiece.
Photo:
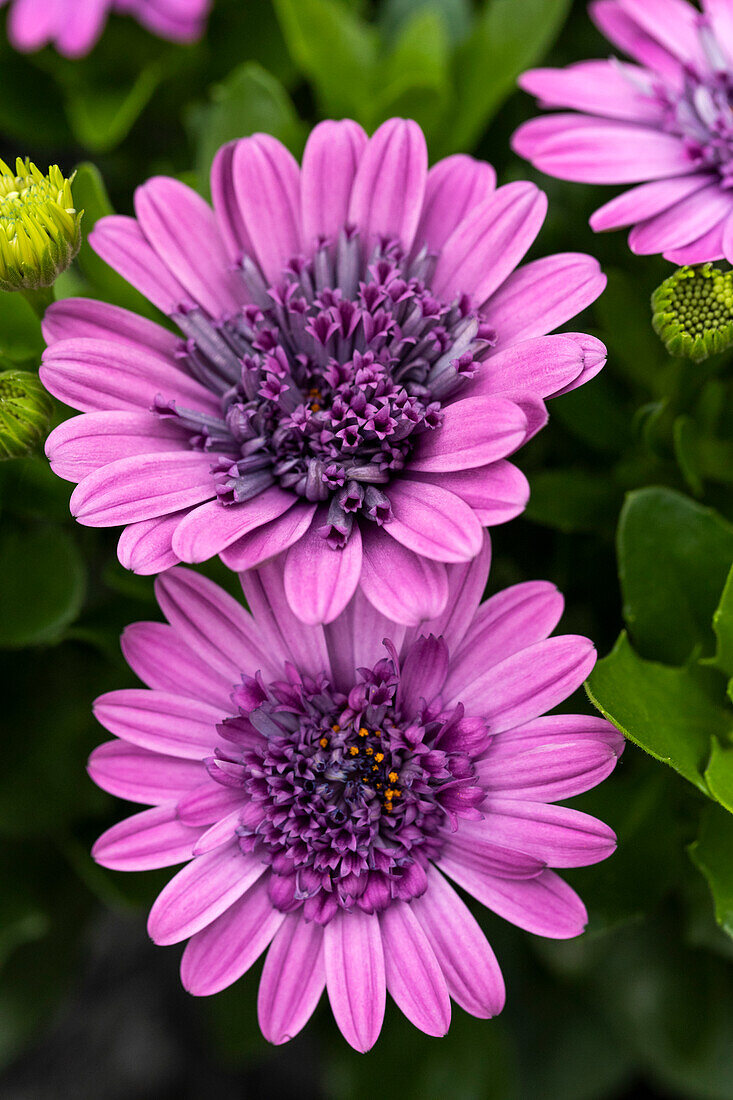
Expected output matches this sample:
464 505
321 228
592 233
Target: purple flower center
328 378
346 796
702 111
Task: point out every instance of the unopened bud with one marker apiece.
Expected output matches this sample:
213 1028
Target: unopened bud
25 413
693 312
40 229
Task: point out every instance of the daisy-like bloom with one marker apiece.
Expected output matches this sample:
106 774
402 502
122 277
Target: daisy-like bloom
322 784
74 26
359 356
665 123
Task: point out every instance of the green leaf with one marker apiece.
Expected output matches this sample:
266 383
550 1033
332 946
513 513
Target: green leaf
454 14
41 585
508 37
674 558
90 195
687 452
723 627
20 329
414 80
719 775
711 854
102 118
249 100
335 49
671 713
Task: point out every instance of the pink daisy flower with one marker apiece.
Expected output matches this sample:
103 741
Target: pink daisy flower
665 122
74 26
359 358
322 784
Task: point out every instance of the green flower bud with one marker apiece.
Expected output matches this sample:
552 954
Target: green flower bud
693 312
40 229
25 413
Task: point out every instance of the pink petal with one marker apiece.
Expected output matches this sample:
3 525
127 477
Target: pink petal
201 892
160 721
548 772
404 586
293 979
153 838
466 584
330 161
541 366
120 241
433 522
544 905
139 775
225 950
543 295
468 964
85 443
475 431
355 976
387 194
81 27
211 622
196 257
490 242
625 32
356 639
208 803
495 493
528 683
214 526
551 730
270 539
226 207
645 201
510 621
608 88
100 375
414 977
319 580
711 246
74 318
267 185
454 187
164 662
558 836
721 17
593 354
480 855
142 487
286 637
674 24
145 547
601 151
686 221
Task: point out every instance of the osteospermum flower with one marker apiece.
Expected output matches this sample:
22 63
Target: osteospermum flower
322 784
73 26
665 122
359 356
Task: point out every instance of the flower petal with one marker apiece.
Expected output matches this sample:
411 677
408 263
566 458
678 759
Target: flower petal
267 184
454 187
402 585
387 195
414 977
608 88
557 835
286 637
293 979
83 444
142 487
468 964
270 539
164 662
355 976
141 776
544 905
75 318
490 242
474 432
160 721
645 201
528 683
495 493
433 522
549 772
225 950
145 547
330 161
153 838
121 243
320 580
682 223
466 584
201 892
214 526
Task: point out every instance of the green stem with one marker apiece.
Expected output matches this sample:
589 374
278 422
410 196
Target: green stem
40 299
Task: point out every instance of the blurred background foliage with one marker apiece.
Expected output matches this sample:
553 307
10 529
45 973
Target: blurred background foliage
631 515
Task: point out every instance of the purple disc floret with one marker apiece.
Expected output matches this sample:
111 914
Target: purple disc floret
322 784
